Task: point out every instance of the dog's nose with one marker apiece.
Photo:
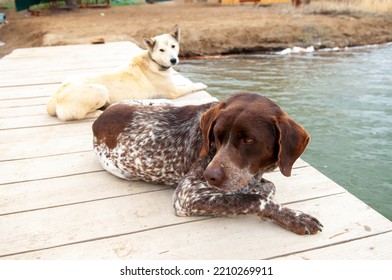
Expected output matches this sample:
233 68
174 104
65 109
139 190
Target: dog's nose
214 176
173 60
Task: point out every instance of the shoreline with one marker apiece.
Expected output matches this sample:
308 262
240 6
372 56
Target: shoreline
323 50
206 30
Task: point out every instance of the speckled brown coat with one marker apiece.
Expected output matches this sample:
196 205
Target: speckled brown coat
214 154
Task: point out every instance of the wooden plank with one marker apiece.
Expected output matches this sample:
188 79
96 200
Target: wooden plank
25 196
105 56
36 134
61 191
32 167
305 183
55 77
83 62
97 219
134 231
48 167
23 102
370 248
27 120
32 77
57 202
24 91
26 111
33 121
70 51
13 69
46 146
28 128
34 95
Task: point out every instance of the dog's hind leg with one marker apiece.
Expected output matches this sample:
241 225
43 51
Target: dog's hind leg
51 105
79 101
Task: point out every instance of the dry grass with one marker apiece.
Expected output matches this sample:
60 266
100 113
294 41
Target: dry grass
351 6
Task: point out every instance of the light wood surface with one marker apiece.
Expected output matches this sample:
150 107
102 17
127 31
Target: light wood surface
56 201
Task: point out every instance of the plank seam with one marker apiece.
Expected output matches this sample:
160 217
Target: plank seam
66 175
46 156
53 177
104 237
84 202
328 245
28 85
198 220
55 155
47 125
27 97
23 106
164 188
23 98
315 197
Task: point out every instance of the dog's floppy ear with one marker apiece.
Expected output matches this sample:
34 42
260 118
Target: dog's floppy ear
207 123
293 140
150 43
175 32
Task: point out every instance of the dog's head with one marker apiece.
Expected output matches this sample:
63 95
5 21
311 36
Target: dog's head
163 49
251 135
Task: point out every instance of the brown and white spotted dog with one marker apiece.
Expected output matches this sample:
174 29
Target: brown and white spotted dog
214 154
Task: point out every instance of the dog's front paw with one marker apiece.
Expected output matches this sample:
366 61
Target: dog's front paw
302 224
199 86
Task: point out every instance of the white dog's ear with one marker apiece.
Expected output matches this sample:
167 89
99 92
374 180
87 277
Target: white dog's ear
175 33
150 43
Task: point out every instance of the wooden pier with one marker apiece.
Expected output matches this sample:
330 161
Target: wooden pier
56 202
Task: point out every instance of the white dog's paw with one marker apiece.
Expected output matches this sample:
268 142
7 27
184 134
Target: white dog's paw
199 86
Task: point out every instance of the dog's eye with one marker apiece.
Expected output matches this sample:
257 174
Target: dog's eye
173 46
161 50
247 140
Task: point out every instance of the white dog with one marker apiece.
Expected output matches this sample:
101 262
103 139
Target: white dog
149 75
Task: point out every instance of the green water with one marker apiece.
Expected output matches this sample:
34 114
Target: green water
343 99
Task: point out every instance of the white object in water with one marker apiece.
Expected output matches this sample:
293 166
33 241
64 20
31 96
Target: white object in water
296 50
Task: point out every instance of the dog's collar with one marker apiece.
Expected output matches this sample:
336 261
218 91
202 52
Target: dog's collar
161 67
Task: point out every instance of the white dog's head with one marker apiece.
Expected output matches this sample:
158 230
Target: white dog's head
163 49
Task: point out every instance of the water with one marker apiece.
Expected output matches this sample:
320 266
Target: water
343 99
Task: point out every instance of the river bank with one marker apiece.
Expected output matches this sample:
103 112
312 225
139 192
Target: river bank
206 29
